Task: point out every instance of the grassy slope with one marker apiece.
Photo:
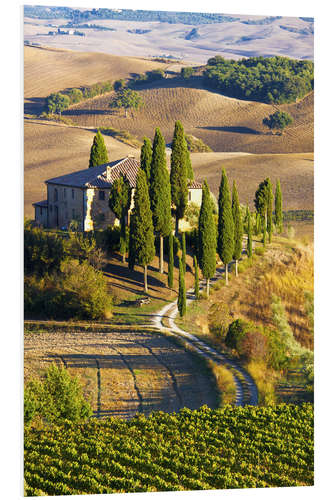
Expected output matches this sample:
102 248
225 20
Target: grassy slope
225 124
53 70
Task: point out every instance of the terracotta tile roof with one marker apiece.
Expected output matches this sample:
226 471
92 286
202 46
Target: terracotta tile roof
43 203
102 176
195 185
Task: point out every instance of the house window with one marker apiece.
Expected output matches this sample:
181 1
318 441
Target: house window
41 211
51 208
56 194
189 196
101 195
64 193
73 194
73 213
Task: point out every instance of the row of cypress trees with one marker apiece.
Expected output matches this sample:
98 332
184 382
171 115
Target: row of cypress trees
162 194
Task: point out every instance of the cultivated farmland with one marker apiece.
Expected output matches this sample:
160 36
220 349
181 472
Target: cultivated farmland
123 371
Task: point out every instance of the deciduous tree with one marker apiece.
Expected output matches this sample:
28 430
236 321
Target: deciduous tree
127 99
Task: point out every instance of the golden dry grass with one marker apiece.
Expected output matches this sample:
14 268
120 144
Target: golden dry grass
224 123
49 70
295 172
282 271
52 149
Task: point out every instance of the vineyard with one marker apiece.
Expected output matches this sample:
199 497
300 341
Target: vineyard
244 447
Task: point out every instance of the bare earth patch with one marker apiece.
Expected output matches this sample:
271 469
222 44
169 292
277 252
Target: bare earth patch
123 372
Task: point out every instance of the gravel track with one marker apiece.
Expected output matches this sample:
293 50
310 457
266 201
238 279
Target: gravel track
246 389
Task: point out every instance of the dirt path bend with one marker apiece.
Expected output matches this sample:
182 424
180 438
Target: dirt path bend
246 389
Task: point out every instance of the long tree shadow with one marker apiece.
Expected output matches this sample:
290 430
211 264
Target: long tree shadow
234 130
134 277
34 105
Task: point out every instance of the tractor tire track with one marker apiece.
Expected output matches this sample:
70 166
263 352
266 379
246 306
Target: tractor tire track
128 366
173 378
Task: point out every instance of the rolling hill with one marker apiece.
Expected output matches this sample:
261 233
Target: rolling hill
224 123
49 70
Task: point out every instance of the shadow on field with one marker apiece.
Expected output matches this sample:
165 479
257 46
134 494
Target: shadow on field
34 105
235 130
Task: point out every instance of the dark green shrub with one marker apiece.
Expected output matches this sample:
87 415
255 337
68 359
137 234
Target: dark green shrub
235 334
43 252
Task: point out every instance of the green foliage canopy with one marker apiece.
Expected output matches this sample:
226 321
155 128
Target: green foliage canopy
98 151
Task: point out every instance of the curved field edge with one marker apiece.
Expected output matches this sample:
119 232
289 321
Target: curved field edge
247 447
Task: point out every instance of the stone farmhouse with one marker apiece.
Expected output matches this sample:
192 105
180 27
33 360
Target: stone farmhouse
83 196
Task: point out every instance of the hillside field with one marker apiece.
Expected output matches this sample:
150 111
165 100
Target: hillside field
48 70
224 123
53 149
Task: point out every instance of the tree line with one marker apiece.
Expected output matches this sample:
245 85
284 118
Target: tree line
268 79
160 201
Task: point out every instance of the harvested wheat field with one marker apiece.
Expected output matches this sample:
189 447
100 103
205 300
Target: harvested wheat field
224 123
49 70
52 149
295 172
123 372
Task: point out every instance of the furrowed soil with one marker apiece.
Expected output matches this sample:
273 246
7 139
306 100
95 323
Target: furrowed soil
123 371
48 70
224 123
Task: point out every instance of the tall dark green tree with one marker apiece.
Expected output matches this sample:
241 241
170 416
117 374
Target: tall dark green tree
119 203
146 157
207 236
238 226
226 230
249 232
263 202
170 261
190 174
269 194
98 152
160 191
141 237
196 278
278 208
178 173
181 302
184 251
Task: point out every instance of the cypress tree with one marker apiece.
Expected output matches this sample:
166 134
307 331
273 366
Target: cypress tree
196 278
207 236
181 302
119 203
238 225
160 191
178 172
225 239
264 205
98 152
146 157
269 194
141 240
190 174
249 233
278 208
170 261
184 252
